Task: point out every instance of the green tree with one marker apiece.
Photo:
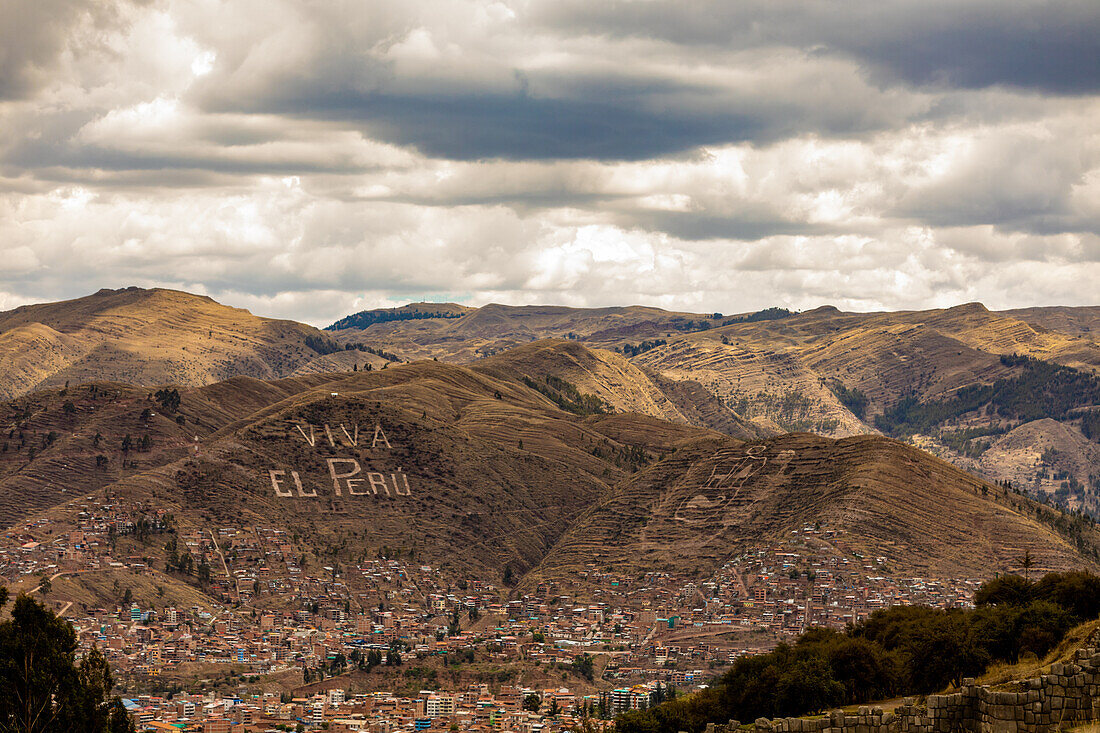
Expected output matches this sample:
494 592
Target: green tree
584 666
532 703
203 573
1006 589
42 687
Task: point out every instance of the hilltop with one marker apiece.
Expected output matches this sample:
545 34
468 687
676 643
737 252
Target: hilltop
148 337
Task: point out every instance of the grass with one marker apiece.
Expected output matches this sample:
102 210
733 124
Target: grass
1026 668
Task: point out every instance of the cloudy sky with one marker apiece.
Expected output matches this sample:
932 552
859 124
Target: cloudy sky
310 158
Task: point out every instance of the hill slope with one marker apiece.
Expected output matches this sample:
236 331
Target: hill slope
474 471
690 512
833 373
147 337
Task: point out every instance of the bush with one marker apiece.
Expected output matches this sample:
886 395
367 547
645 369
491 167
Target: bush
903 650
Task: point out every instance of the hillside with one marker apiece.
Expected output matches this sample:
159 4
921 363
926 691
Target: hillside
492 466
621 385
475 471
147 337
689 513
493 328
832 373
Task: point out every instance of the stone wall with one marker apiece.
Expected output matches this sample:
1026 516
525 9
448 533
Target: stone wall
1068 696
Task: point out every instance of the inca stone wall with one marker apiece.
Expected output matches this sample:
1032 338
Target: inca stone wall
1067 697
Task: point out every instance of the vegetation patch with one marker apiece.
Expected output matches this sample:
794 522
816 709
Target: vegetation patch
903 650
566 396
369 318
1040 390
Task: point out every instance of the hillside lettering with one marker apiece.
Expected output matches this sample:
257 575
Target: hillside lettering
347 474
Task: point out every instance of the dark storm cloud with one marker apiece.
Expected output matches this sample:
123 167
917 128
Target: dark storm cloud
1045 46
517 126
613 117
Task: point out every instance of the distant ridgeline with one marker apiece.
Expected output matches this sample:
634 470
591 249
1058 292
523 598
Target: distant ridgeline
364 319
768 314
717 319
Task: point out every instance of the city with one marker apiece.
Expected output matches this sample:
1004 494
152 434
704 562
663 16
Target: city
391 644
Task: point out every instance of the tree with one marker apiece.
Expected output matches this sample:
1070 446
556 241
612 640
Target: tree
42 687
1026 562
555 709
1004 590
168 399
532 703
203 572
584 666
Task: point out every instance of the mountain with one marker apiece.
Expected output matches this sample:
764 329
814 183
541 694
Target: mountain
926 377
493 328
148 337
503 467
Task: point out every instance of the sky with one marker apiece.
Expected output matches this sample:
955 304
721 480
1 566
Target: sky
308 159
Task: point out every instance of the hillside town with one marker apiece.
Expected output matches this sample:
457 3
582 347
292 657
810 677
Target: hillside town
319 632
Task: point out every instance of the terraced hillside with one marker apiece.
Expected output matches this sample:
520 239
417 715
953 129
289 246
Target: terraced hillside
147 337
922 516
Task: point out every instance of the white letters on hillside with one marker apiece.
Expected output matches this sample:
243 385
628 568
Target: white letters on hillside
350 476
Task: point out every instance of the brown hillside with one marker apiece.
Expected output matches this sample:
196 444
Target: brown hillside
148 337
619 383
498 476
692 511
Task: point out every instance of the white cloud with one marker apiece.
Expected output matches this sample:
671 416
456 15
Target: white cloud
306 160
